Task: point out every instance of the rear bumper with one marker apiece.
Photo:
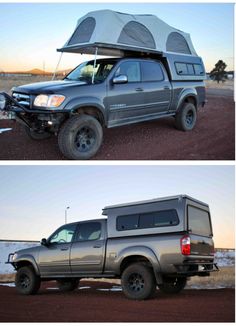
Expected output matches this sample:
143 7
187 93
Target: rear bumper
199 268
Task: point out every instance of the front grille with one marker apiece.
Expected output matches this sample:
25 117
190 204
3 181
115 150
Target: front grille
22 99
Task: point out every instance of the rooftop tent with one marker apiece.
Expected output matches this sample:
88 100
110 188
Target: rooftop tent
113 33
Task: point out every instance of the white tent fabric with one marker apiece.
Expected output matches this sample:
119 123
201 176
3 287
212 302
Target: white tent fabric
107 29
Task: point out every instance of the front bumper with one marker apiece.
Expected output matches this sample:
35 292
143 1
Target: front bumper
33 118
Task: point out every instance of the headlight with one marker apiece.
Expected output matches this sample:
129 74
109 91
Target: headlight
14 257
2 102
49 101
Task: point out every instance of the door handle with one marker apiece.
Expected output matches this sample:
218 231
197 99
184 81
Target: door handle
166 87
64 249
139 89
97 246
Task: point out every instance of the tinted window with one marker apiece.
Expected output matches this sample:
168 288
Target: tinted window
181 68
88 231
157 219
190 69
198 70
131 69
151 71
199 221
64 234
127 222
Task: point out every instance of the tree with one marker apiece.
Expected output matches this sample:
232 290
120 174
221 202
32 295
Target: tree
219 73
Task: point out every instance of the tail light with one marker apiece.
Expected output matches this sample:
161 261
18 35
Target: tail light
185 245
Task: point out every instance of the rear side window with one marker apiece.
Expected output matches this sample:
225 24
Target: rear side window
157 219
127 222
88 231
151 71
199 221
198 70
188 69
147 220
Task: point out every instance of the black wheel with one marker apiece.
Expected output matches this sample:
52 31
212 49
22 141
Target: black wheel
172 284
80 137
186 117
26 281
68 285
37 135
138 282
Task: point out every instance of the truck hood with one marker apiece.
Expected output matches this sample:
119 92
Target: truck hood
28 251
50 87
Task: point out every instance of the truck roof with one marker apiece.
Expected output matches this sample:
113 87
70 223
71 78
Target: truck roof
178 197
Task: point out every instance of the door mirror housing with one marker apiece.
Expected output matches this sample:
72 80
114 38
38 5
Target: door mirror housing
44 242
121 79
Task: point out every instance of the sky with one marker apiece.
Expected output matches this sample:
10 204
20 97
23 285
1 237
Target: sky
34 198
30 33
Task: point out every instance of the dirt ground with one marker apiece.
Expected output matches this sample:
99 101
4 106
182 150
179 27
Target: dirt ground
94 305
213 138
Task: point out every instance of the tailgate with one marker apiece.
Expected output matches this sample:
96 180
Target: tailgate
202 246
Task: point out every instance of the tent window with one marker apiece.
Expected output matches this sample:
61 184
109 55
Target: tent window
83 32
177 43
136 34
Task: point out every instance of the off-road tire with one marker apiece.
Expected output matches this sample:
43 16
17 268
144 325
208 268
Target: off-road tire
26 280
68 285
186 117
138 282
172 285
37 135
80 137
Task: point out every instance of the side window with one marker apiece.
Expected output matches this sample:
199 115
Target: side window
127 222
88 231
181 68
157 219
64 234
151 71
198 70
131 69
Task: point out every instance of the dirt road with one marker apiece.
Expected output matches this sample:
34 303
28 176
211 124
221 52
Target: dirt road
95 302
212 138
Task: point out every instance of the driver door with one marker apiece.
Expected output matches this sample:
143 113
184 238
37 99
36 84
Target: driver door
54 259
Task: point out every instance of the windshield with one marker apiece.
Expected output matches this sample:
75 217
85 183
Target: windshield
84 72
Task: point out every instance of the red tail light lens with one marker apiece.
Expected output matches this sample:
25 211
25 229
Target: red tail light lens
185 245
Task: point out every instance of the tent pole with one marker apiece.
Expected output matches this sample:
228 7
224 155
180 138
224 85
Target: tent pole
54 75
94 64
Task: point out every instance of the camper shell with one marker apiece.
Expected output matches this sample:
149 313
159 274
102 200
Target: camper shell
130 214
152 72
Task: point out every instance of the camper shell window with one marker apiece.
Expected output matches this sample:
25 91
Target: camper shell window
199 221
147 220
189 69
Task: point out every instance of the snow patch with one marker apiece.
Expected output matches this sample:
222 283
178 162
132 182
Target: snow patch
8 284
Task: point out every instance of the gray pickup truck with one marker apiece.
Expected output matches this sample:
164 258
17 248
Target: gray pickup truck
153 72
159 242
123 91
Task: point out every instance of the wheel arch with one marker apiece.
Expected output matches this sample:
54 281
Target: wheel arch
188 96
139 254
27 261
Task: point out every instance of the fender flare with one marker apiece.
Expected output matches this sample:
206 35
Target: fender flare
189 92
140 251
29 259
86 102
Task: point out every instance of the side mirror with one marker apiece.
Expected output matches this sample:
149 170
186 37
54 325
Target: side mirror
44 242
121 79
